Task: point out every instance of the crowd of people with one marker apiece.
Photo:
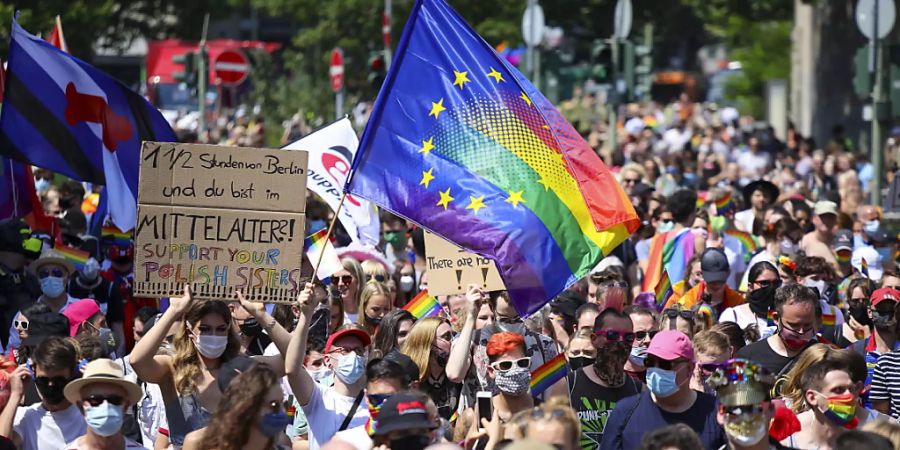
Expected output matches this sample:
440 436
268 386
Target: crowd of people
775 324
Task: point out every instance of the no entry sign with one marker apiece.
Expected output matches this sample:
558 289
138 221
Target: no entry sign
336 70
231 67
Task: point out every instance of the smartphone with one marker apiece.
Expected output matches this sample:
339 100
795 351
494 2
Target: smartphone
485 407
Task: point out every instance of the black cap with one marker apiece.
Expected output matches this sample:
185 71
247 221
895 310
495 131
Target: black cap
44 325
843 240
642 189
567 303
714 265
409 367
402 412
232 368
13 233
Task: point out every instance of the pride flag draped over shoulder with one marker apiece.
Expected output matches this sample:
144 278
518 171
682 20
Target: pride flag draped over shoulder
462 144
64 115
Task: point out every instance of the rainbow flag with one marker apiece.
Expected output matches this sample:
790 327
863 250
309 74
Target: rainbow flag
746 239
119 237
707 314
864 267
77 257
464 145
663 290
725 204
702 197
828 318
843 257
423 305
549 373
314 245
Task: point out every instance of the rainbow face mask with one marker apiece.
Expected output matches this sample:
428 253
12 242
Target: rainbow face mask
841 410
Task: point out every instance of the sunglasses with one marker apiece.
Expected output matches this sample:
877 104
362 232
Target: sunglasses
711 367
767 283
662 363
44 273
377 399
47 381
346 279
641 335
23 324
630 180
276 406
616 336
503 366
97 400
347 350
685 314
379 278
742 410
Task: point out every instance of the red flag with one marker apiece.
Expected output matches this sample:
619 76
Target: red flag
57 38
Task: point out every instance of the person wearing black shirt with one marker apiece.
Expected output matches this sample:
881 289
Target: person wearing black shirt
87 283
18 287
798 314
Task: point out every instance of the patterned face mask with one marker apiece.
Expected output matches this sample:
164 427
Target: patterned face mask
841 409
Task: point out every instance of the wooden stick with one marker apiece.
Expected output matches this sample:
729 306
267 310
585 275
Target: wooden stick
328 234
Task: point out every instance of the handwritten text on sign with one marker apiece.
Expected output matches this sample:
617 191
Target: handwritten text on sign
451 269
220 218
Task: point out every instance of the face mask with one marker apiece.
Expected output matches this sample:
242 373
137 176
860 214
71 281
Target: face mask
414 442
787 246
41 184
316 225
395 239
661 382
762 300
52 394
350 368
321 374
211 347
441 357
514 381
818 285
373 320
53 286
107 340
871 226
638 355
861 314
883 321
251 328
518 327
747 429
407 282
91 269
273 424
577 362
104 419
665 226
841 410
792 340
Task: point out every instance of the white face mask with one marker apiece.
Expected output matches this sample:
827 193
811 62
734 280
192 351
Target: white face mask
210 346
322 374
407 282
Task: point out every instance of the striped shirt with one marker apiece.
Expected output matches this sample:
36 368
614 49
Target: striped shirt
884 382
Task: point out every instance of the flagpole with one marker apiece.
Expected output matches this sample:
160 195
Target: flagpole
334 219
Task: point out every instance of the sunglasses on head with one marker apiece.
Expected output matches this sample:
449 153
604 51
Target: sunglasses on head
44 273
641 335
673 313
662 363
97 400
616 336
379 278
503 366
346 279
23 324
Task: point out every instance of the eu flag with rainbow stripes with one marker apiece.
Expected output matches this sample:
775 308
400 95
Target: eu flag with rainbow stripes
462 144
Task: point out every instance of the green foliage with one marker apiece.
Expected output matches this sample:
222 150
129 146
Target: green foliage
764 58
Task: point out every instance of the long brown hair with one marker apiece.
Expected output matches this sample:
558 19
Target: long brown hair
229 428
187 359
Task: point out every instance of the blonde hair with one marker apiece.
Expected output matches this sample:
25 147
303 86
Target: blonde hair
370 268
556 410
791 390
882 427
351 265
370 290
418 343
583 333
187 359
711 342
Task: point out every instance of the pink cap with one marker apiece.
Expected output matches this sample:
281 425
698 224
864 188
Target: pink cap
80 311
671 345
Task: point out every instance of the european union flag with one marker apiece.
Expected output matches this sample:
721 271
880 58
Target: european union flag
462 144
61 114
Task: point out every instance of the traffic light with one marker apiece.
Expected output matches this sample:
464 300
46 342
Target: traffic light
376 70
188 75
601 61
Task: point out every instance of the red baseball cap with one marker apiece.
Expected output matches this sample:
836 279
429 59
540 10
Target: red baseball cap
362 335
80 311
883 294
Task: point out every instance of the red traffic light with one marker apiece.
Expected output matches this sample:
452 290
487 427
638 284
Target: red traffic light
376 64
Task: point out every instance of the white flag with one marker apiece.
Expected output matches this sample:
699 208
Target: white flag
331 151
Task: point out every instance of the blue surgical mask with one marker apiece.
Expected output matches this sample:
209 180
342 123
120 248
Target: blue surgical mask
350 367
53 286
665 226
638 355
871 226
41 185
274 424
858 241
104 419
661 382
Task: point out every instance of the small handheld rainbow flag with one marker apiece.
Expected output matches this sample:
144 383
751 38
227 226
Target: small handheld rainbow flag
864 267
663 289
724 204
118 236
423 305
549 373
746 239
828 318
315 245
77 257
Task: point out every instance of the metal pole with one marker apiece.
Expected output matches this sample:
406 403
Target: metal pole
387 46
613 96
877 99
339 104
202 74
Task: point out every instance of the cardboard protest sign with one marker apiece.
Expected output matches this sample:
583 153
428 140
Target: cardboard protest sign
451 269
220 219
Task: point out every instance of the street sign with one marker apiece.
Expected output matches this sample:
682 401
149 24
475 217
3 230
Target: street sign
231 67
336 70
866 13
622 24
533 24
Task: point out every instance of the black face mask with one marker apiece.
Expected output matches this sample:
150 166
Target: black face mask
373 320
251 328
883 322
415 442
762 300
51 389
577 362
861 314
441 357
